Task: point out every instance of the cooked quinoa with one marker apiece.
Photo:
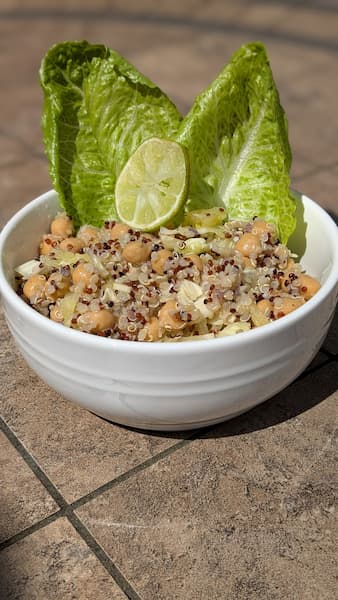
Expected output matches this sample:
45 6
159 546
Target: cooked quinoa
173 285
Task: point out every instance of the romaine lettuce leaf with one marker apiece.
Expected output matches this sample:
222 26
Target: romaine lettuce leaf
98 108
62 72
236 134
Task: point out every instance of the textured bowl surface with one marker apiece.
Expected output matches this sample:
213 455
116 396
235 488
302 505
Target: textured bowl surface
171 386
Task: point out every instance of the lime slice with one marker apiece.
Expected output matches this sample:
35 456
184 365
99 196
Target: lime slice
153 184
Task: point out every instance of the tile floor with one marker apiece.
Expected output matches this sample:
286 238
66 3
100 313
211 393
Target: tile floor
244 510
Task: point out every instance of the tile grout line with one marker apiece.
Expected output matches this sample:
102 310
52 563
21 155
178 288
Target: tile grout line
89 540
33 465
170 21
103 557
316 170
17 162
133 471
10 135
333 357
66 509
54 492
21 535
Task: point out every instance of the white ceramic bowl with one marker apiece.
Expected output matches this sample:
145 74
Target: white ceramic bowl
171 386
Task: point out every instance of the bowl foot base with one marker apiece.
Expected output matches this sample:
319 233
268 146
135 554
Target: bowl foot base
167 426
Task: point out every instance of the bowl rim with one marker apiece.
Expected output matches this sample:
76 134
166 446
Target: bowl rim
190 347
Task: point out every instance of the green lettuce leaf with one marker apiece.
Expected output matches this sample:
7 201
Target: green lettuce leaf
236 134
62 72
97 110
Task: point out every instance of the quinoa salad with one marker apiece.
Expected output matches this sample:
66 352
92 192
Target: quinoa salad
197 281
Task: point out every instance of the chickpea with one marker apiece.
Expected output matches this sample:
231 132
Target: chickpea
82 274
196 260
87 233
286 305
169 316
136 252
118 230
308 286
290 265
248 244
34 287
153 330
97 320
158 261
260 227
248 263
56 288
55 314
48 244
71 244
62 226
265 307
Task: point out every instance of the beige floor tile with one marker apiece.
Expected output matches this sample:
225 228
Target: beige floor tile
54 563
52 5
264 16
182 61
12 151
304 23
322 186
249 509
311 21
76 449
191 9
21 183
24 500
307 84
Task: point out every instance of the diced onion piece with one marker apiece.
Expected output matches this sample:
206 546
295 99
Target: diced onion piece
67 307
258 317
206 217
189 292
108 294
203 308
197 338
27 269
61 258
121 287
234 328
195 246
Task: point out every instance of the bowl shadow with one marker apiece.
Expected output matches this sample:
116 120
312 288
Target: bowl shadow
285 405
333 216
297 241
311 387
300 396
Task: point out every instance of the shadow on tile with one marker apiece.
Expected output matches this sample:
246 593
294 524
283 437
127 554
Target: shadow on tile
282 407
178 435
54 562
320 382
304 394
299 397
333 216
